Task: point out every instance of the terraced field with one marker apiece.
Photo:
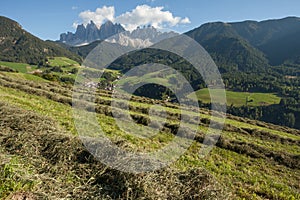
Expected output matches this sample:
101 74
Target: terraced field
42 156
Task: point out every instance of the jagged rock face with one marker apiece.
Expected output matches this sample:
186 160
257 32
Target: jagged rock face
90 33
109 29
140 37
115 33
80 32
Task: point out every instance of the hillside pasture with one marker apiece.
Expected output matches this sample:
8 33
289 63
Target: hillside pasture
20 67
240 98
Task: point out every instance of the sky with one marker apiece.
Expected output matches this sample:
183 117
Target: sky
47 19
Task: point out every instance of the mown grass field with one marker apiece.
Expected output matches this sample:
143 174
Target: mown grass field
62 61
21 67
239 98
41 155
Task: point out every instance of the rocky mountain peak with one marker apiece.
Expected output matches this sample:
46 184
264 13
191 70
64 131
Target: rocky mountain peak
90 32
141 37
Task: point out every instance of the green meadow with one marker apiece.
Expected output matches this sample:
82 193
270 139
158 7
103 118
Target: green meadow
239 98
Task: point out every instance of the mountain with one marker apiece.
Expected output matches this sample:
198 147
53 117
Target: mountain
17 45
229 50
273 41
247 46
141 37
83 50
90 33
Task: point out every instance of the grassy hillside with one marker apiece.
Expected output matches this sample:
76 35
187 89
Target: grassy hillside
62 61
20 67
240 98
252 160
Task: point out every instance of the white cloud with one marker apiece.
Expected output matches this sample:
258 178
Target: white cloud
186 20
74 8
144 15
99 16
141 15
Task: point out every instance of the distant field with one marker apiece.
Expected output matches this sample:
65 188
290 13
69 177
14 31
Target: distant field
62 61
239 98
66 70
21 67
29 77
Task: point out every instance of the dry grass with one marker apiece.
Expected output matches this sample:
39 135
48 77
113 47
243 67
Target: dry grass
62 168
256 160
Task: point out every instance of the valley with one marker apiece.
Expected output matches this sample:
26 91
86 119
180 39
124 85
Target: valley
257 155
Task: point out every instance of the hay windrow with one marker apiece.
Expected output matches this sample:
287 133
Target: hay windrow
62 167
254 159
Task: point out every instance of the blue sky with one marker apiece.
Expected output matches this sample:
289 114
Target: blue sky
48 18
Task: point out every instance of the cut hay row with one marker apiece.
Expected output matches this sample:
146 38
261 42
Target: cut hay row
59 164
271 165
142 119
66 90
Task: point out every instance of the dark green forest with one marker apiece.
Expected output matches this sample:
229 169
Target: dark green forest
17 45
282 80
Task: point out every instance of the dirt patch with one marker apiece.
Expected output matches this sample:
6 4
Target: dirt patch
22 196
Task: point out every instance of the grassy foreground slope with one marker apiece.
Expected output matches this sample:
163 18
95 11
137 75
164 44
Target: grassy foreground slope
42 157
